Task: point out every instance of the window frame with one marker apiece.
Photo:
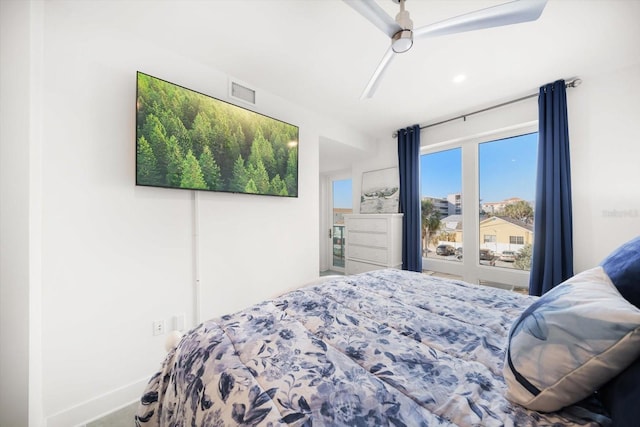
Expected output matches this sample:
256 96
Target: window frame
484 237
469 268
516 240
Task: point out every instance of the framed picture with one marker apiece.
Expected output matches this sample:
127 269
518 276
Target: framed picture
380 191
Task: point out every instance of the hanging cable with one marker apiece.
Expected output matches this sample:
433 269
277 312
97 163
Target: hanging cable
197 289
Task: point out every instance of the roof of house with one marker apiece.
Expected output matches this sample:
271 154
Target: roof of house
516 222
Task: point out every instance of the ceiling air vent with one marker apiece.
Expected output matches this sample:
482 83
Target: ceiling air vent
242 93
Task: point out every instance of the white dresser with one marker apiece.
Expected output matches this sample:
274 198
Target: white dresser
373 241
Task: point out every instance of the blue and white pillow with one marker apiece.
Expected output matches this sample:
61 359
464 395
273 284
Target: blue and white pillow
570 342
623 268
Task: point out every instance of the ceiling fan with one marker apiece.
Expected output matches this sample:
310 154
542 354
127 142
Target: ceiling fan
402 34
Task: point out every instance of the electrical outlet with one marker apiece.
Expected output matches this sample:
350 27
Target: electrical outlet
158 327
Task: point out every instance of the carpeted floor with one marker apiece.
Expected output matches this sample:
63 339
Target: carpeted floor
123 417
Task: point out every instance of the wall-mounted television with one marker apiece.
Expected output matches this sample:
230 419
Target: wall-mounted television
188 140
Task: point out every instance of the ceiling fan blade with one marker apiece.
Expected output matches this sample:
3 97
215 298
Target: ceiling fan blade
514 12
376 15
376 78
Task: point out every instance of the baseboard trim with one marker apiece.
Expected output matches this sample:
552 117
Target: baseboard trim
99 406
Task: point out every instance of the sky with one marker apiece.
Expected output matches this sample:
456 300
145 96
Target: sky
507 169
342 194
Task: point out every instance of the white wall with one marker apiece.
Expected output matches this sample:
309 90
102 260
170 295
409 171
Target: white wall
114 257
605 154
15 211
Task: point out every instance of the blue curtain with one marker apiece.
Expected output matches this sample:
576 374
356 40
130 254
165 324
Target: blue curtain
553 229
409 167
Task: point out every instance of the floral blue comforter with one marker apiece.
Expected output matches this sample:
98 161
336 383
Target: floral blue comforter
384 348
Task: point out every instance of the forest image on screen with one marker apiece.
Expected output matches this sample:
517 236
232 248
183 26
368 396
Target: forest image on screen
185 139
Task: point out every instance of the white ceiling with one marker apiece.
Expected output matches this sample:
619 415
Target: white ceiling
320 53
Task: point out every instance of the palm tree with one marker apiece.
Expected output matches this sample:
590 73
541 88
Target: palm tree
520 210
430 222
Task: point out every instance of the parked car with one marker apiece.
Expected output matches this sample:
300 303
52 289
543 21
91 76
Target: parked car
486 255
445 250
508 256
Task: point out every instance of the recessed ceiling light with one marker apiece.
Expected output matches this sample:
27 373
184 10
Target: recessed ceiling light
459 78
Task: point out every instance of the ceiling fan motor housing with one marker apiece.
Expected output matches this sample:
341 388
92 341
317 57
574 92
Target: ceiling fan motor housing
402 41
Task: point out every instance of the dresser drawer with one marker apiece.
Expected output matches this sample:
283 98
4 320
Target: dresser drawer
375 225
367 239
367 253
355 267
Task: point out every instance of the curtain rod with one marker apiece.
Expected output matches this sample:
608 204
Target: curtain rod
571 83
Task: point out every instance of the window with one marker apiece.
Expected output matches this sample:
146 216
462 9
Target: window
441 194
341 205
507 182
487 183
516 240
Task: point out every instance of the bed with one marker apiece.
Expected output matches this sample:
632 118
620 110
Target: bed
382 348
